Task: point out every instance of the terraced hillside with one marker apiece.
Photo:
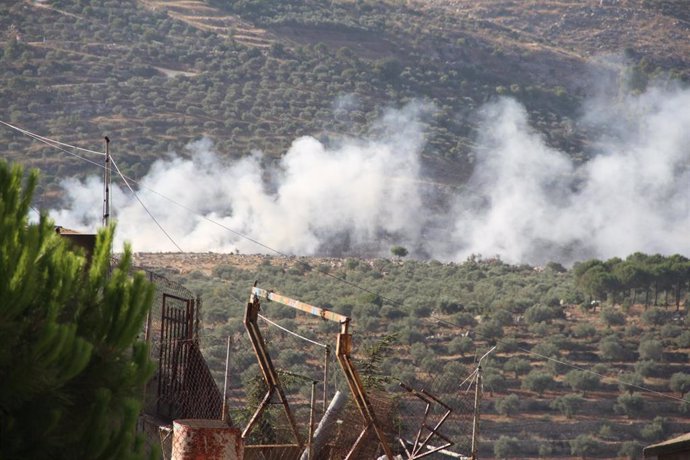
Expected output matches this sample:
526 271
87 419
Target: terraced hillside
154 75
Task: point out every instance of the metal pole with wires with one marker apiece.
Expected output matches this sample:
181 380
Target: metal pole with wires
225 416
477 401
106 184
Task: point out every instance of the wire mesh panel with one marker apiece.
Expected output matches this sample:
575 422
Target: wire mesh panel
350 436
183 386
191 391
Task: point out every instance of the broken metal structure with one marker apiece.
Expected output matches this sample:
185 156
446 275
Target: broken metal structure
343 355
421 447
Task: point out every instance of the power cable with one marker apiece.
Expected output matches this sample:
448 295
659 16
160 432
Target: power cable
284 329
48 140
56 144
144 206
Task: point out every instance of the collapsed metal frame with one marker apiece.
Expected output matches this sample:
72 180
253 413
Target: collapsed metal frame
343 354
418 449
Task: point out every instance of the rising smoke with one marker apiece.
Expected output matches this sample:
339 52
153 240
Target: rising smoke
525 202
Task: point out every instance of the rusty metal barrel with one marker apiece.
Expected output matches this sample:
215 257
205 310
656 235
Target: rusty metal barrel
195 439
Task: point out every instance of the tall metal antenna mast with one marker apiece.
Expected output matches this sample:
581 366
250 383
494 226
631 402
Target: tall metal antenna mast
106 184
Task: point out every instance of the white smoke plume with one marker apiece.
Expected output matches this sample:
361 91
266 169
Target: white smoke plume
526 201
533 204
319 199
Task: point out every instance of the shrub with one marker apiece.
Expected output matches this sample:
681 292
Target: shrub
670 331
629 404
582 380
651 349
612 317
537 381
610 349
464 319
508 345
449 307
508 405
583 330
646 368
654 431
585 445
540 313
567 404
507 447
517 365
631 450
654 316
460 345
629 382
494 381
680 382
683 340
490 330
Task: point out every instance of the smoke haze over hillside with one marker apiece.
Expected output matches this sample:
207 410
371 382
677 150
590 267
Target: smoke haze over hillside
525 202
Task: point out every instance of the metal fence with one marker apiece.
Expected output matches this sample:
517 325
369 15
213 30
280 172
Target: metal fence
183 386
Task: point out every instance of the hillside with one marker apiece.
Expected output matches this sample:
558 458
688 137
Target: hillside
563 376
154 75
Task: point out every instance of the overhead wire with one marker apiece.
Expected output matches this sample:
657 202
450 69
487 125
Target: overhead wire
57 145
284 329
48 140
145 208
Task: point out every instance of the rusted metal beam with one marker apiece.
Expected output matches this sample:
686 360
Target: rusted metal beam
267 370
343 351
305 307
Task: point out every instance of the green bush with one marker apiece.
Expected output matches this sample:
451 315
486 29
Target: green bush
585 446
507 447
655 431
654 316
631 450
508 405
630 405
680 382
651 349
537 381
612 317
568 404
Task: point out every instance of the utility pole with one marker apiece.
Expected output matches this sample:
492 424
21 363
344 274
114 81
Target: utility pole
106 184
225 416
327 355
477 401
475 422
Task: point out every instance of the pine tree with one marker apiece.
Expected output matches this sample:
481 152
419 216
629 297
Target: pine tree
72 372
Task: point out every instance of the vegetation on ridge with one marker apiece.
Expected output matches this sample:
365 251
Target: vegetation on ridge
568 377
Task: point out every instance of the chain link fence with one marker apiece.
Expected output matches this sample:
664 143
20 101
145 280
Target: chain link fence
183 386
